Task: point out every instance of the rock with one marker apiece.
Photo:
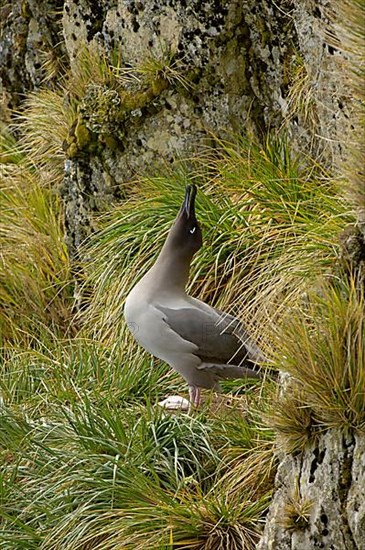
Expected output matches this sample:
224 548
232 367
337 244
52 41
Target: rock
328 480
221 68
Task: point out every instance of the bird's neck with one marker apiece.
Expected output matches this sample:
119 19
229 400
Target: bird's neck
172 270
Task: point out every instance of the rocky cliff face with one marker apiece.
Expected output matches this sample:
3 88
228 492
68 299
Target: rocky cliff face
217 67
319 499
30 36
220 66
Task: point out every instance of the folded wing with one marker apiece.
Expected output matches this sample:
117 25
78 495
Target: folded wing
220 338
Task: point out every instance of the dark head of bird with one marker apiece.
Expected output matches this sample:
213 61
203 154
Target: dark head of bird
185 235
183 240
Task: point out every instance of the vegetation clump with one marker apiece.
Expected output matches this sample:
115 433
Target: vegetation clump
91 104
296 513
322 347
89 460
35 276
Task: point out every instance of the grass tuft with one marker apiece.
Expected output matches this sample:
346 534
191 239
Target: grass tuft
44 122
301 96
322 347
88 460
166 66
35 280
296 513
86 465
292 419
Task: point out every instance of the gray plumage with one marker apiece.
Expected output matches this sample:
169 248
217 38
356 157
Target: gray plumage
200 342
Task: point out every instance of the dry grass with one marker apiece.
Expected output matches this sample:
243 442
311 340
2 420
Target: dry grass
270 228
87 460
48 115
322 345
35 279
301 96
292 419
296 512
164 65
45 121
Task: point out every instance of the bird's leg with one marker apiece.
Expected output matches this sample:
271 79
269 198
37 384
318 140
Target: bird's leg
197 397
194 395
192 391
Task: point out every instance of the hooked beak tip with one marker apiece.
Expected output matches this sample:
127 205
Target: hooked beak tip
189 200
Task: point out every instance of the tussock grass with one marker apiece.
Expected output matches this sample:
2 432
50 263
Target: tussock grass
88 460
48 115
292 419
91 66
34 271
301 96
9 150
56 371
90 98
151 518
87 463
296 512
45 120
270 227
322 347
164 64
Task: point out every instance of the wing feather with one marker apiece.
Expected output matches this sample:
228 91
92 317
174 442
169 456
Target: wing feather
220 338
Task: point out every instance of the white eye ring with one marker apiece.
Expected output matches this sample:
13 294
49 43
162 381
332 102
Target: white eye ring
192 230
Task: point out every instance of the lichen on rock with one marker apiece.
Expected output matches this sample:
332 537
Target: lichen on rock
325 473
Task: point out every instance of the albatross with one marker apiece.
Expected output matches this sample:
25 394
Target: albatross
202 343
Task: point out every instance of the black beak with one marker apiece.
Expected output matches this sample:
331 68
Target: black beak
189 201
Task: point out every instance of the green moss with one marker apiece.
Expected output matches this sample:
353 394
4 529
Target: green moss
104 110
72 150
104 105
158 86
82 134
79 139
24 10
109 141
263 30
101 108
